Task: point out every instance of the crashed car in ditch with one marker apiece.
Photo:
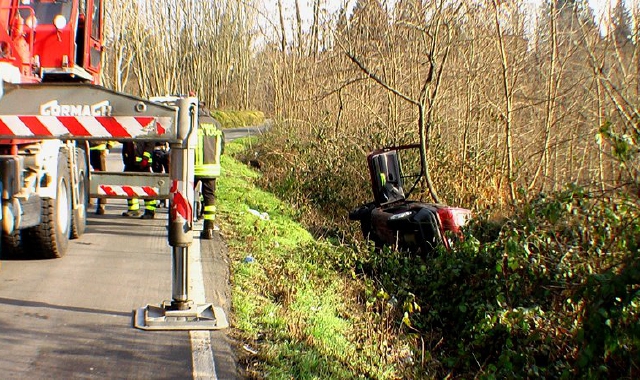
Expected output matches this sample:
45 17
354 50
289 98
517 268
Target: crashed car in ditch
395 221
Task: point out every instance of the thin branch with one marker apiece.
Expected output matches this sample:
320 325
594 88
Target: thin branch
379 80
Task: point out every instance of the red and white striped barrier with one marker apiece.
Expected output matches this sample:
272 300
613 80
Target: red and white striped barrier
181 209
84 126
128 191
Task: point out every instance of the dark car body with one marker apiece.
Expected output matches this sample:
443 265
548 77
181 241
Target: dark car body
393 220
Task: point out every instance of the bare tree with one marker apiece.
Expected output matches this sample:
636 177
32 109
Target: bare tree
120 26
508 76
437 51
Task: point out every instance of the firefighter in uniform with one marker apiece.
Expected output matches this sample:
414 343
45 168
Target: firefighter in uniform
138 157
207 167
98 151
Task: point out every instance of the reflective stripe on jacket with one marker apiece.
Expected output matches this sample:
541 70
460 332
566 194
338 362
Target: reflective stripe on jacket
145 154
100 145
132 153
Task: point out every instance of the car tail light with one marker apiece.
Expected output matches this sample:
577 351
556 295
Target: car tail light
452 218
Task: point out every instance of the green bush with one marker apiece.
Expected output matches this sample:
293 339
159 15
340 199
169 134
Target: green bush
238 119
556 294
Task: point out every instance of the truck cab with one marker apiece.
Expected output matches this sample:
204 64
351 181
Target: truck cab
53 40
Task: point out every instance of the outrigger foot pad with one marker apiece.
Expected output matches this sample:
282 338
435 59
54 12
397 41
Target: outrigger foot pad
196 317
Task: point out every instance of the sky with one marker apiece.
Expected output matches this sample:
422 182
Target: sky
331 6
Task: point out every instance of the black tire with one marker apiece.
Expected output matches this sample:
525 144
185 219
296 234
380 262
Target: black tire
11 245
363 212
51 237
79 220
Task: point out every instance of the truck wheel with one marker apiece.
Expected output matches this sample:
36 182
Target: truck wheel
11 245
79 221
52 235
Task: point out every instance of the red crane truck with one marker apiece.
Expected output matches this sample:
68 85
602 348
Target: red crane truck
52 104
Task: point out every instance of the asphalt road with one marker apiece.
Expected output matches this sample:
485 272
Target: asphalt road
234 133
72 318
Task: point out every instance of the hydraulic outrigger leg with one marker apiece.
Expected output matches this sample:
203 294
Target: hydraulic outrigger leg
181 313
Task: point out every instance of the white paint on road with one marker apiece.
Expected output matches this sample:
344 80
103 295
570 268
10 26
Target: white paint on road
204 366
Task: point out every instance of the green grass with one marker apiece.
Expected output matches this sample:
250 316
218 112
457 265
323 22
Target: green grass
288 303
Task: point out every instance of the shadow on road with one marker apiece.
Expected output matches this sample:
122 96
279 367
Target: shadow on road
34 304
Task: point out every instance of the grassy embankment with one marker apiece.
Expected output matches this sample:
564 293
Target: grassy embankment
290 305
